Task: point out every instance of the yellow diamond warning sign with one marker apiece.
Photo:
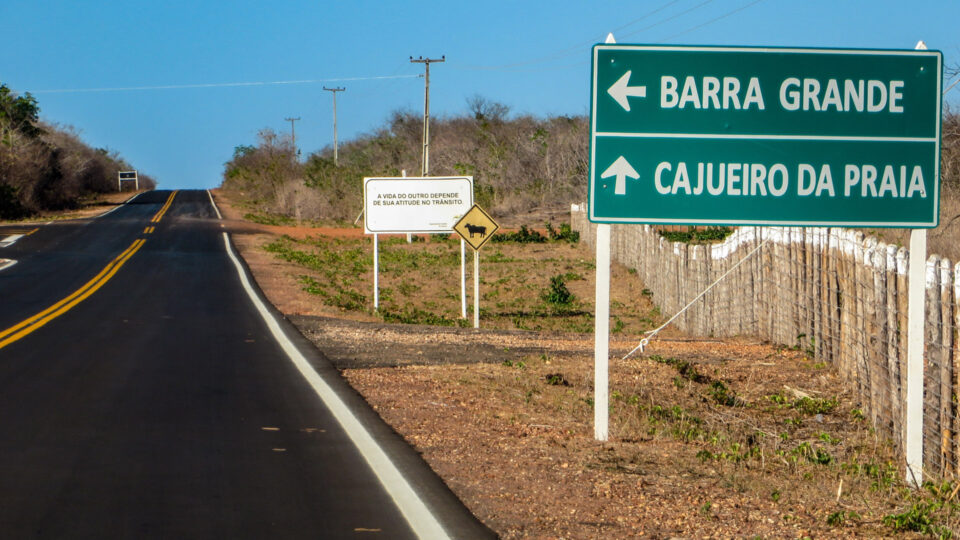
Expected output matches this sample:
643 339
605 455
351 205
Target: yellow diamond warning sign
476 227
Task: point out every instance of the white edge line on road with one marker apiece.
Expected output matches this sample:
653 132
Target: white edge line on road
414 510
215 209
6 263
115 208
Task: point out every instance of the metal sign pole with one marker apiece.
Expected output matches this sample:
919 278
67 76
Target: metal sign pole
463 278
409 235
476 288
376 272
916 319
916 300
601 337
601 332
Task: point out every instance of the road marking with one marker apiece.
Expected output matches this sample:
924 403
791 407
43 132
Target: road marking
215 209
119 206
164 208
6 263
15 234
10 240
414 510
31 324
149 230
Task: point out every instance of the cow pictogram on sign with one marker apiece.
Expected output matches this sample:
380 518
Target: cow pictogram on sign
476 227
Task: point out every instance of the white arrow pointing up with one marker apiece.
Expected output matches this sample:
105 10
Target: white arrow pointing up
620 91
621 169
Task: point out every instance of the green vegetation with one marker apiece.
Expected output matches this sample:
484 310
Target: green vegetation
522 288
45 167
558 296
807 405
698 235
920 517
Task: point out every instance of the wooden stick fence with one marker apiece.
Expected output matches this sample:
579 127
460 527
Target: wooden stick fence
833 293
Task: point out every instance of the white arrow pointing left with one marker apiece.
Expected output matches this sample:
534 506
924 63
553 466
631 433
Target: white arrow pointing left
621 169
621 92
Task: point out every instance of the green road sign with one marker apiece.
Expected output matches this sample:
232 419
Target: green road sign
751 136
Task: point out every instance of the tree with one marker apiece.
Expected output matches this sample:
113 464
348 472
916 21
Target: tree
19 113
485 109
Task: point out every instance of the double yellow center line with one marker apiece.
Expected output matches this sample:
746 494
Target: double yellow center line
163 210
37 321
27 326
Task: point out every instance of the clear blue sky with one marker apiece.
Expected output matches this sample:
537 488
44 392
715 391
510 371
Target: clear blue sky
532 56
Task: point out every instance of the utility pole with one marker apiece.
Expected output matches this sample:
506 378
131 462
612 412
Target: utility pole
293 134
425 168
334 92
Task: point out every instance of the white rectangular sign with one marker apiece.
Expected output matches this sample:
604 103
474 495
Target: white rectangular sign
415 205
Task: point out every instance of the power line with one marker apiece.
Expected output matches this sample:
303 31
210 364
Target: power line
668 19
713 20
218 85
575 49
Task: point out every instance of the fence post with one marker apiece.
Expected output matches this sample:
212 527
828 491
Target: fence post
947 408
955 350
933 368
874 330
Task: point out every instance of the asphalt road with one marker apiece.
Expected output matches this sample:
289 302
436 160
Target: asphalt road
151 398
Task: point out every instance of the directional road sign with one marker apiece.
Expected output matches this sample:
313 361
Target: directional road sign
760 136
476 227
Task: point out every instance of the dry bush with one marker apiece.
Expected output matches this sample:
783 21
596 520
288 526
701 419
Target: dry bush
47 167
257 174
943 240
295 199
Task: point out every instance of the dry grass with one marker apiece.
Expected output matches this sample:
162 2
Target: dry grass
732 439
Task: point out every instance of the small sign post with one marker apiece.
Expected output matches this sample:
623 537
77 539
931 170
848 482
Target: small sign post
127 176
476 227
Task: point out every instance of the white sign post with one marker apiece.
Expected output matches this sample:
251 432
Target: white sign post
128 176
601 329
916 320
408 205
